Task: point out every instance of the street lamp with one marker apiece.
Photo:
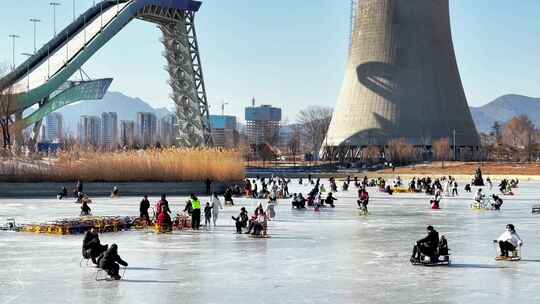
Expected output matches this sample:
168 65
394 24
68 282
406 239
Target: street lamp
54 5
13 37
35 21
27 71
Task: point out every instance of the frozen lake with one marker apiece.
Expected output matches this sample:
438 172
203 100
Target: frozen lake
334 256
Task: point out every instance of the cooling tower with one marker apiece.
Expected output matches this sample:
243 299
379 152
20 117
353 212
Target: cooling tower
402 80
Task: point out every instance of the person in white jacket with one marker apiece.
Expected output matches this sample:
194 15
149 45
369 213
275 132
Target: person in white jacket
509 240
216 205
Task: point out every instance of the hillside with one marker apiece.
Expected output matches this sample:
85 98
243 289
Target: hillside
505 108
126 107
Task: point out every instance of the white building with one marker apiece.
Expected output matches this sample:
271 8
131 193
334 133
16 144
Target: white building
90 130
167 130
109 129
127 132
146 128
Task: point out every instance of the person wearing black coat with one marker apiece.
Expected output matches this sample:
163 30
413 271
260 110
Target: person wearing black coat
228 197
428 245
78 188
330 200
143 208
92 248
242 220
109 261
85 209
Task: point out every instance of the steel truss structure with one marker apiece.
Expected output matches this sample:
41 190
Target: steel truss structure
42 78
185 72
356 153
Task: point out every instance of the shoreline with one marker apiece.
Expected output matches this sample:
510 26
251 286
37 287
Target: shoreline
95 189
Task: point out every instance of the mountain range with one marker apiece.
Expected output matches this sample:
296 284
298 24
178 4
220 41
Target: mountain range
505 108
501 109
126 108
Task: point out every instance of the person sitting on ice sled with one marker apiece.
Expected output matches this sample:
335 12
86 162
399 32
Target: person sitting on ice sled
479 197
426 246
85 209
509 240
363 199
242 220
63 193
497 202
109 261
435 201
92 248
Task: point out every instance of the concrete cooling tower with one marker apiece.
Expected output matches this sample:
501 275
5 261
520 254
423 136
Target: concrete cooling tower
402 80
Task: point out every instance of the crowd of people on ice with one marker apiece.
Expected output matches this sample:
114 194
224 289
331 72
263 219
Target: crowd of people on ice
271 189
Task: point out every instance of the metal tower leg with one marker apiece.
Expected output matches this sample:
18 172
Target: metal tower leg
199 79
186 80
182 81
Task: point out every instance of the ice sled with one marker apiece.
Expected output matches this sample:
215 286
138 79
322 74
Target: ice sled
99 277
163 228
483 205
437 260
259 236
440 258
10 225
363 211
514 256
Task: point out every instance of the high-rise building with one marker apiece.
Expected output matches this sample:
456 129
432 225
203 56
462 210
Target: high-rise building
146 128
127 133
53 127
401 81
167 130
109 129
262 124
90 130
224 131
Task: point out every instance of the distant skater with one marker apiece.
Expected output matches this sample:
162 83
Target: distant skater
216 205
207 215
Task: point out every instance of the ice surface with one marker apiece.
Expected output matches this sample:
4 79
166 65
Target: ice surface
335 256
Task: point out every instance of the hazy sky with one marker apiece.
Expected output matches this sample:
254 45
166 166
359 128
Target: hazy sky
289 53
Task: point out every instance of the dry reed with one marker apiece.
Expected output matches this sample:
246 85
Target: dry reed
167 165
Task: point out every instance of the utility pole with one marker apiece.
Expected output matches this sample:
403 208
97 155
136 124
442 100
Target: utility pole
35 21
454 131
54 5
13 37
73 10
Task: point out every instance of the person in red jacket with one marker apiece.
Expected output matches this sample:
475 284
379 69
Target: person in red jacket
162 204
363 199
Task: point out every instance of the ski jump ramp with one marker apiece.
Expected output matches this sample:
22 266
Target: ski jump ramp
43 79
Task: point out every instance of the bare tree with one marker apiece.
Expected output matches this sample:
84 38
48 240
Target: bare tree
6 119
294 143
399 151
442 150
315 121
371 154
520 132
